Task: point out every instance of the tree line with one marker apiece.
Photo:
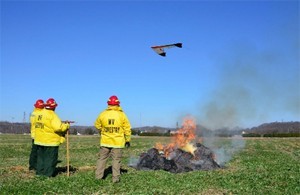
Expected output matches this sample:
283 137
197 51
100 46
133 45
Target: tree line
274 129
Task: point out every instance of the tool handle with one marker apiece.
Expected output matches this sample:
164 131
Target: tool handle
68 155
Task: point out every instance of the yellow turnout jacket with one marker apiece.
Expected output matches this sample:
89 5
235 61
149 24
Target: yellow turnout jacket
49 129
33 117
114 127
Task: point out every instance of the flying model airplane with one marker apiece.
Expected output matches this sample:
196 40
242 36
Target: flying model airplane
160 49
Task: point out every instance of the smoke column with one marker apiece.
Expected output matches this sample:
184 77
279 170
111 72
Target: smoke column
254 87
255 84
224 149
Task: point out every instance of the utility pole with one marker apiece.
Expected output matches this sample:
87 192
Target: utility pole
12 124
24 117
140 122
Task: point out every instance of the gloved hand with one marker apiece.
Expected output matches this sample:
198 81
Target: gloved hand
127 144
62 139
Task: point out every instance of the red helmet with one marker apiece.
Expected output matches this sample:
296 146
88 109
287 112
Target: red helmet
39 104
113 100
51 103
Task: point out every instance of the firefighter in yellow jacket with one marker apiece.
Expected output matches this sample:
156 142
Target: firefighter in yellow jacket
38 107
115 133
48 136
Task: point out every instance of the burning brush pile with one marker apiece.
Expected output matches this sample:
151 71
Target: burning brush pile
181 155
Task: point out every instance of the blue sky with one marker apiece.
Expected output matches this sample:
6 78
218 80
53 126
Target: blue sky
239 65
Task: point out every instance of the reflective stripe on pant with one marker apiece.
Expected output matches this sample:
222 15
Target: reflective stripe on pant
116 154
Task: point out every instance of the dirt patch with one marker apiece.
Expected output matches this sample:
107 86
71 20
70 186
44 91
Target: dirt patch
87 168
18 168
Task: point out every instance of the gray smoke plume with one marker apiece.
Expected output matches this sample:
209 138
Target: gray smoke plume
133 161
253 86
224 149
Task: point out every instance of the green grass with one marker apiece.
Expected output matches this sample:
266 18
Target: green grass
264 166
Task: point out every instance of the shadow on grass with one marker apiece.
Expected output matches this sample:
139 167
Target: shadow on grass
64 170
109 171
73 170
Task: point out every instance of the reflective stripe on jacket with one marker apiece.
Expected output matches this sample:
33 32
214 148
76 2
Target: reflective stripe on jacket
114 127
33 117
49 129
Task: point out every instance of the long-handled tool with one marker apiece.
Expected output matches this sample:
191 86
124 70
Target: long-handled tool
68 155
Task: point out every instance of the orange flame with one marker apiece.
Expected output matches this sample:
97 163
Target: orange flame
181 139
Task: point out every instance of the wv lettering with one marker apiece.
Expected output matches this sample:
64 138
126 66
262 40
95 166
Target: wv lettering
110 128
40 117
111 121
39 125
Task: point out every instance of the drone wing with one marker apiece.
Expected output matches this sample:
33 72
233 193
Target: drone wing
160 49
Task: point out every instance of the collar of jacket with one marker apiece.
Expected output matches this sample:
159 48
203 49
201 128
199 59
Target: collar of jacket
114 108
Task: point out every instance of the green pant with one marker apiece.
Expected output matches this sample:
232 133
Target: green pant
33 156
46 160
116 154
